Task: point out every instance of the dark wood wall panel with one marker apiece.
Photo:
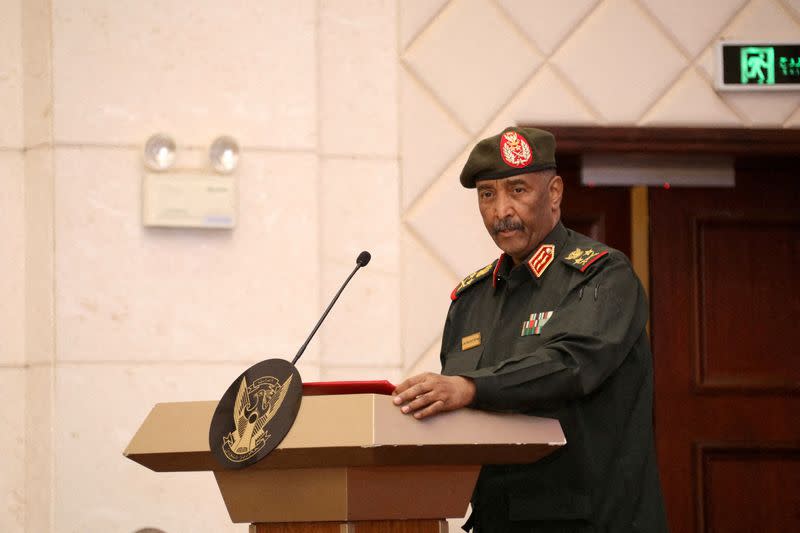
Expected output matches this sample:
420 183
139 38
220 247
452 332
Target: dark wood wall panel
732 481
744 263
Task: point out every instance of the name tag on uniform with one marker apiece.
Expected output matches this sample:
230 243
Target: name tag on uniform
471 341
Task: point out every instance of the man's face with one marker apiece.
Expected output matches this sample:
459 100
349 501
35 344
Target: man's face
520 210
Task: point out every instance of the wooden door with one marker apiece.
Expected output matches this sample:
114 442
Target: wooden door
725 298
602 213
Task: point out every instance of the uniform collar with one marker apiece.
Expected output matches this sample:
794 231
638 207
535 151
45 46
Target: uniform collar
536 263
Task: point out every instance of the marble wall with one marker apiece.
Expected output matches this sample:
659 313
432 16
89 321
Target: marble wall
354 117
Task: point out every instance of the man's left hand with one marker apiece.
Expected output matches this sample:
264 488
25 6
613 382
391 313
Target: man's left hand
427 394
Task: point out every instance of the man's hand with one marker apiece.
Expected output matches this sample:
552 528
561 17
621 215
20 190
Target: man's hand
428 394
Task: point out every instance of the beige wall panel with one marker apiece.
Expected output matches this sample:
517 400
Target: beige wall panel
39 285
125 292
124 70
358 85
427 285
98 409
473 58
12 451
12 258
364 327
545 22
693 24
38 71
392 374
430 138
39 453
415 15
691 101
624 35
360 211
11 74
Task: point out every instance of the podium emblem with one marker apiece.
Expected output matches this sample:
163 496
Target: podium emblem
255 413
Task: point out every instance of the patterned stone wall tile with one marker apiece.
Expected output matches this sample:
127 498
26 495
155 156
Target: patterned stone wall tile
428 361
12 258
124 70
39 256
705 62
415 15
766 20
472 59
37 38
620 61
764 110
794 5
391 374
693 24
429 138
547 23
98 410
11 75
794 120
448 222
426 287
363 328
691 102
546 99
358 62
360 211
309 370
12 451
130 293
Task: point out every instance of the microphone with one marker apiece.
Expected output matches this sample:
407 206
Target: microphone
361 261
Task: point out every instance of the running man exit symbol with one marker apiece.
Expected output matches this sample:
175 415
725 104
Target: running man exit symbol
758 65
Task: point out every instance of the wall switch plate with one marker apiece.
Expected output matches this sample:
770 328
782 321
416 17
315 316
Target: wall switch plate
189 201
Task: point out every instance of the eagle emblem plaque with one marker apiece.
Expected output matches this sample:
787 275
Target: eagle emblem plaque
255 413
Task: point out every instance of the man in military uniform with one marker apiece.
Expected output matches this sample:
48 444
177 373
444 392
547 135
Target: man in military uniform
555 327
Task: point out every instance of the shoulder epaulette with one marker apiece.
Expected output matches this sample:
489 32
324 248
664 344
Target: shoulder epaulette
470 280
583 258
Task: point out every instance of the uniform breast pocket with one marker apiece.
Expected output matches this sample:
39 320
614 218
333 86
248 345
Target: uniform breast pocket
458 362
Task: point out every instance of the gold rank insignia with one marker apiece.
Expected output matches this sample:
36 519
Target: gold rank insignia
471 279
582 259
471 341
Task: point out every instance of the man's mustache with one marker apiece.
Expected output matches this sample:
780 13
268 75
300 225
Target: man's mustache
506 224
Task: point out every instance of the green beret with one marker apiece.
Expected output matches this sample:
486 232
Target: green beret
515 151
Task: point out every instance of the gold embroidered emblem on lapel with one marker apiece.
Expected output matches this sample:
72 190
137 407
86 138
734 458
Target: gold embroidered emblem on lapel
582 259
471 341
469 280
539 262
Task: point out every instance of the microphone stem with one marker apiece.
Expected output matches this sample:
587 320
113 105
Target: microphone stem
303 347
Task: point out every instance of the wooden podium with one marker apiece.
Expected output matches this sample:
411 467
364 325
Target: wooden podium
350 464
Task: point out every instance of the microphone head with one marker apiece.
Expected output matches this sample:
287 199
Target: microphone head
363 258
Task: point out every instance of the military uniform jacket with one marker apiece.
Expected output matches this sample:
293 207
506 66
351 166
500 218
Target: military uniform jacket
569 344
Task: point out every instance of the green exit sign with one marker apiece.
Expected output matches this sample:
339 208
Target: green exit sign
747 66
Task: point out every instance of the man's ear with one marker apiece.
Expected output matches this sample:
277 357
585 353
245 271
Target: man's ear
556 189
